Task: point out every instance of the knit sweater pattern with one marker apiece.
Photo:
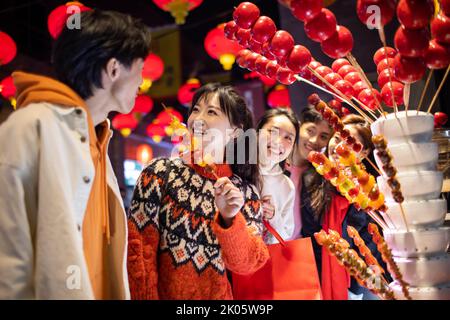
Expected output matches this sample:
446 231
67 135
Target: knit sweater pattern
177 248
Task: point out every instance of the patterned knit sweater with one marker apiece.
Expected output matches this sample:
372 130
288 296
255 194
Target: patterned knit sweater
177 248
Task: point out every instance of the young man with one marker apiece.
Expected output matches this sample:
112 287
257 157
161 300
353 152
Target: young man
62 223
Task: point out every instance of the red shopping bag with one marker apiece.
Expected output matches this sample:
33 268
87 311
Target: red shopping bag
289 274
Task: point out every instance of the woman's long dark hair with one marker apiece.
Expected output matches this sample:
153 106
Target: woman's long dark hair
288 113
235 107
319 189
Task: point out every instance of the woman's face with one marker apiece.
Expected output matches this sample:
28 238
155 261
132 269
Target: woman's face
210 126
277 139
313 137
336 139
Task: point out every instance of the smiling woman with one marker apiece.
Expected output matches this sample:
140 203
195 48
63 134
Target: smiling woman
314 136
185 220
278 133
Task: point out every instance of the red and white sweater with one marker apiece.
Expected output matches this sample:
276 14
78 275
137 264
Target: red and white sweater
177 248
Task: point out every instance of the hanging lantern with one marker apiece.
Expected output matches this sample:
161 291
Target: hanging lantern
152 71
142 105
156 132
8 48
144 153
220 48
58 17
165 117
279 97
187 90
179 9
8 90
125 123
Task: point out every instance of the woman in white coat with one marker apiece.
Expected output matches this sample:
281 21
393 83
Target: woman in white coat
278 133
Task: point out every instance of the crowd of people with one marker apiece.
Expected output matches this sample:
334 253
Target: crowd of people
64 233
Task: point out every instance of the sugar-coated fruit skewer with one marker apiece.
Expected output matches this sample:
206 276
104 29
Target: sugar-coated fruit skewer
350 260
363 249
386 255
386 157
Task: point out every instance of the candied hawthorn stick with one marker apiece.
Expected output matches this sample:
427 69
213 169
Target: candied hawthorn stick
351 261
333 119
386 158
363 249
386 255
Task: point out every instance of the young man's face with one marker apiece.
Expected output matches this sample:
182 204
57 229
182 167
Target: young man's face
125 89
314 136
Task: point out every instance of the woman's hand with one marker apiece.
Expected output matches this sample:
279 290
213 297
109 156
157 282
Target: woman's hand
228 198
268 207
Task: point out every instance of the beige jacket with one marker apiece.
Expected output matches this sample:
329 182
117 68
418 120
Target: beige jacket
46 172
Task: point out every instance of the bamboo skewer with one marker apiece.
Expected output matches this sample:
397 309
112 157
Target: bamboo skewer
299 78
358 67
315 85
341 95
424 90
377 219
404 217
439 89
406 94
365 107
383 41
374 166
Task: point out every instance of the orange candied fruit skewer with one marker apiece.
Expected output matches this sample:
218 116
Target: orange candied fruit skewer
386 255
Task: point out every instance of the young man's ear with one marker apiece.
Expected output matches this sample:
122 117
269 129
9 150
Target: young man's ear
112 69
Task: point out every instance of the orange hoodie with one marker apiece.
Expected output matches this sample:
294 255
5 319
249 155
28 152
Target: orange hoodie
33 88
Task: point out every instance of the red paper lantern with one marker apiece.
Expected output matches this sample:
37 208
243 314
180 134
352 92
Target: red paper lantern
58 17
166 116
179 9
220 48
8 48
156 132
144 153
279 97
142 105
152 71
7 88
125 123
187 91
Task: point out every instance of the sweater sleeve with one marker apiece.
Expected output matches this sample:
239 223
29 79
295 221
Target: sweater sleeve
242 246
144 232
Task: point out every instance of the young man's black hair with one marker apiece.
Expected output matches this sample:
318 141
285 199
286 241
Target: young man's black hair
80 54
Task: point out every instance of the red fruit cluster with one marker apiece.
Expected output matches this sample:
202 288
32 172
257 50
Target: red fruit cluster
440 119
385 58
416 50
321 26
333 119
272 53
386 158
365 14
